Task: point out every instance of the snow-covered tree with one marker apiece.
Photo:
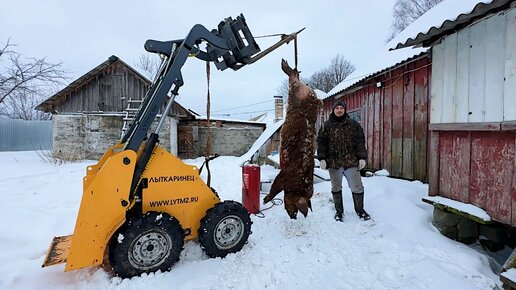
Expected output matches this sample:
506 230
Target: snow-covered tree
327 78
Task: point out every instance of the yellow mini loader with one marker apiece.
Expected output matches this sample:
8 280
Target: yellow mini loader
140 202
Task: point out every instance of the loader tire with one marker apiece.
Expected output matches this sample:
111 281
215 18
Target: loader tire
146 244
225 229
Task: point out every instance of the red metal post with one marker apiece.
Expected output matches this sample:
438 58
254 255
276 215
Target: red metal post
251 187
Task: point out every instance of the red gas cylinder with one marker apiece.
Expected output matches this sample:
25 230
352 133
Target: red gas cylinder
251 187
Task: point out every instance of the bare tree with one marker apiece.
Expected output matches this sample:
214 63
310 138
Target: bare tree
149 64
405 12
282 90
321 80
24 82
21 104
327 78
26 74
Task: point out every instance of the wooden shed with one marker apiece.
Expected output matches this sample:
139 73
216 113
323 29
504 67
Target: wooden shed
472 157
389 96
89 114
107 88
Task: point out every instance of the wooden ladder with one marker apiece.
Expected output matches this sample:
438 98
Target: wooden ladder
130 113
133 106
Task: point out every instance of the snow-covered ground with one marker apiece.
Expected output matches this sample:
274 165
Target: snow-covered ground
399 250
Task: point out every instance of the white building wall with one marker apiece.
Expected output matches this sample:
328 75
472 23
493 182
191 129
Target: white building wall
474 72
509 104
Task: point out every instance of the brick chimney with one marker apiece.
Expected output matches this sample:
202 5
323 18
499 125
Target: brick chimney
278 108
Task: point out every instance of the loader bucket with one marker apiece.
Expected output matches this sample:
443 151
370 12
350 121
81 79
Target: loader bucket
58 251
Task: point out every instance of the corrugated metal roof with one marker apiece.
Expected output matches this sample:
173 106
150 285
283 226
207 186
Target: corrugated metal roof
454 21
320 94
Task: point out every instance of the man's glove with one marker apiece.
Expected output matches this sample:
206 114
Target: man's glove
322 164
361 164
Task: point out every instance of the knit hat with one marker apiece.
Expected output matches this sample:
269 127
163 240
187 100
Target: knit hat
339 103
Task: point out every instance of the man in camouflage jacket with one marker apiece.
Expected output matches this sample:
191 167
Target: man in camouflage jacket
341 149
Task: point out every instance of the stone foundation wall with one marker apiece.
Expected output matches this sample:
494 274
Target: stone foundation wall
77 137
87 136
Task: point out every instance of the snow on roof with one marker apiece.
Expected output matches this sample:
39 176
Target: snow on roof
267 118
448 10
446 16
440 19
383 59
320 94
269 131
227 120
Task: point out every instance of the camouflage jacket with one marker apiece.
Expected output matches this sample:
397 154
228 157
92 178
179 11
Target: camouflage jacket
341 142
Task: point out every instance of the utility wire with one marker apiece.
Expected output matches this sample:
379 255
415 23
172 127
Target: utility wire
242 113
228 109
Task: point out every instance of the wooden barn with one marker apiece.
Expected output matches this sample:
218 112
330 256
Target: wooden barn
389 95
89 114
472 157
106 88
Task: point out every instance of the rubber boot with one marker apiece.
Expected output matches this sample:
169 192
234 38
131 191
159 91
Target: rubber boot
339 206
358 200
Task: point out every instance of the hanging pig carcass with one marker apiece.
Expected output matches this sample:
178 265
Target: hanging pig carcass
298 139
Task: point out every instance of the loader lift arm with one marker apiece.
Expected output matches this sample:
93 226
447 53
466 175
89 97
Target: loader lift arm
231 46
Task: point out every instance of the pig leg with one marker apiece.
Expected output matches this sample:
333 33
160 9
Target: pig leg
276 187
302 205
290 72
290 203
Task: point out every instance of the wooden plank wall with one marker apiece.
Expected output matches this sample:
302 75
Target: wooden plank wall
473 100
395 118
421 118
397 124
454 160
478 167
387 121
107 92
513 189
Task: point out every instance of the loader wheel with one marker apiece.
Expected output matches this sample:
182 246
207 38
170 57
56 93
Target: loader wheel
225 229
146 244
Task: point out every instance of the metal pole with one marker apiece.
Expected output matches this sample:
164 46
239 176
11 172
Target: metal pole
165 113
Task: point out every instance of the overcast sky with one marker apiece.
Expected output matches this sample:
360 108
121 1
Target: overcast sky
82 34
